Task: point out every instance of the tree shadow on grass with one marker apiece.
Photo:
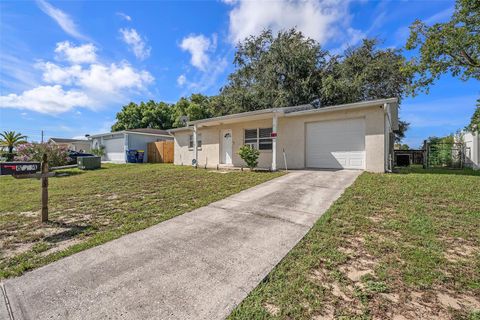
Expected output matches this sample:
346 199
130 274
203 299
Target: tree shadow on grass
72 230
450 171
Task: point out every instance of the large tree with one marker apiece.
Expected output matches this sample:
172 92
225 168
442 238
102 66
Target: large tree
450 47
363 73
196 107
274 70
150 114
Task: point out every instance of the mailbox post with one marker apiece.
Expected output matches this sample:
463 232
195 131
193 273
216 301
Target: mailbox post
24 170
44 178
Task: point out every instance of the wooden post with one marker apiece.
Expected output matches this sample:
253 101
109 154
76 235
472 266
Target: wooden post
44 179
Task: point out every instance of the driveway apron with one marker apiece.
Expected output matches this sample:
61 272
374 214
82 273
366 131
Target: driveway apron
199 265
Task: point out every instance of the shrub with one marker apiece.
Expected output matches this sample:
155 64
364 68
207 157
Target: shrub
100 151
250 155
57 156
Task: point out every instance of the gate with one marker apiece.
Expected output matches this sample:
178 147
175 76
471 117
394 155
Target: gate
445 155
160 152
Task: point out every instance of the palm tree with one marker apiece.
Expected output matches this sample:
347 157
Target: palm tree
11 139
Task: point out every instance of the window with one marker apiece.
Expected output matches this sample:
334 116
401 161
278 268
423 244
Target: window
199 141
260 138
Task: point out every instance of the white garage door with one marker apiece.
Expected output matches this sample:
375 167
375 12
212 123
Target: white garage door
114 149
336 144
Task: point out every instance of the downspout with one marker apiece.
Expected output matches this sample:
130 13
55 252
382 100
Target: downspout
388 141
125 146
274 141
195 149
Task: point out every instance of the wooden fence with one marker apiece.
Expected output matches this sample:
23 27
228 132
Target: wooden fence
160 152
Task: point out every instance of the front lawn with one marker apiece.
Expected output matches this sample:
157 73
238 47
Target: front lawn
88 208
394 246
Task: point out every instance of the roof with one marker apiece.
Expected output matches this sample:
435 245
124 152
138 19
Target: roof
149 130
290 111
65 140
143 131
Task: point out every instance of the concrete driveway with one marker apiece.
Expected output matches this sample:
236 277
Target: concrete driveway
199 265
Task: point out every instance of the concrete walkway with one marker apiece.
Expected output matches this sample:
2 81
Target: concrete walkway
199 265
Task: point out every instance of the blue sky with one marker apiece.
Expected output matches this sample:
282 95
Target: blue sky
67 67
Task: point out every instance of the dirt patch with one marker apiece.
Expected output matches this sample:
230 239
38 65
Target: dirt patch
272 309
460 252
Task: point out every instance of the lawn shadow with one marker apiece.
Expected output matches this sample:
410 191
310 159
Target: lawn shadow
450 171
72 231
73 172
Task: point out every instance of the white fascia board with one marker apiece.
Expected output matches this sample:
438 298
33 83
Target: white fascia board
348 106
149 134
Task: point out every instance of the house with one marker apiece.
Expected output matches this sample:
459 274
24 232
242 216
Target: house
350 136
472 149
71 144
117 143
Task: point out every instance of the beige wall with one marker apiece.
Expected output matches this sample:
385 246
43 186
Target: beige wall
291 137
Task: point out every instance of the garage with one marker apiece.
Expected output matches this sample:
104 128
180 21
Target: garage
336 144
114 148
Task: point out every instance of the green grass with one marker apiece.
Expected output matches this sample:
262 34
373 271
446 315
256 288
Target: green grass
412 236
88 208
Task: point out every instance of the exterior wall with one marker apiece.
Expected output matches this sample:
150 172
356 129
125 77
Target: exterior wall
472 144
291 138
209 153
140 141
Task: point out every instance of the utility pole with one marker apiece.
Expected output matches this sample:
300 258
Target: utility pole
42 136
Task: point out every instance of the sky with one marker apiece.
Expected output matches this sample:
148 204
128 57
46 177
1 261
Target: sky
67 67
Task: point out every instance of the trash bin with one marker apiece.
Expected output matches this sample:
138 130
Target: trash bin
140 154
131 156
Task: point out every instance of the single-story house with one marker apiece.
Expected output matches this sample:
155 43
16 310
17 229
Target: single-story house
79 145
117 143
472 150
349 136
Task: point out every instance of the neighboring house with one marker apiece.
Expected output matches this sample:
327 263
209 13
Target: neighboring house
71 144
351 136
472 150
117 143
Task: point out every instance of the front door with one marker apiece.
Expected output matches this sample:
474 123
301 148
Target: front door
227 146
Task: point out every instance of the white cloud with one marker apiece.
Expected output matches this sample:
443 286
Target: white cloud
124 16
210 76
64 20
198 46
97 77
79 85
76 54
321 20
181 80
46 99
136 42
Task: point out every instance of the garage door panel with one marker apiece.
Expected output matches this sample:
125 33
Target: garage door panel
114 149
336 144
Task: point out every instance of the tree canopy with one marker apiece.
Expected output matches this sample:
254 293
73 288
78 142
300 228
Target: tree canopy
450 47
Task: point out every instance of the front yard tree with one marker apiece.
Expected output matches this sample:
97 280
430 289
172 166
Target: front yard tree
450 47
